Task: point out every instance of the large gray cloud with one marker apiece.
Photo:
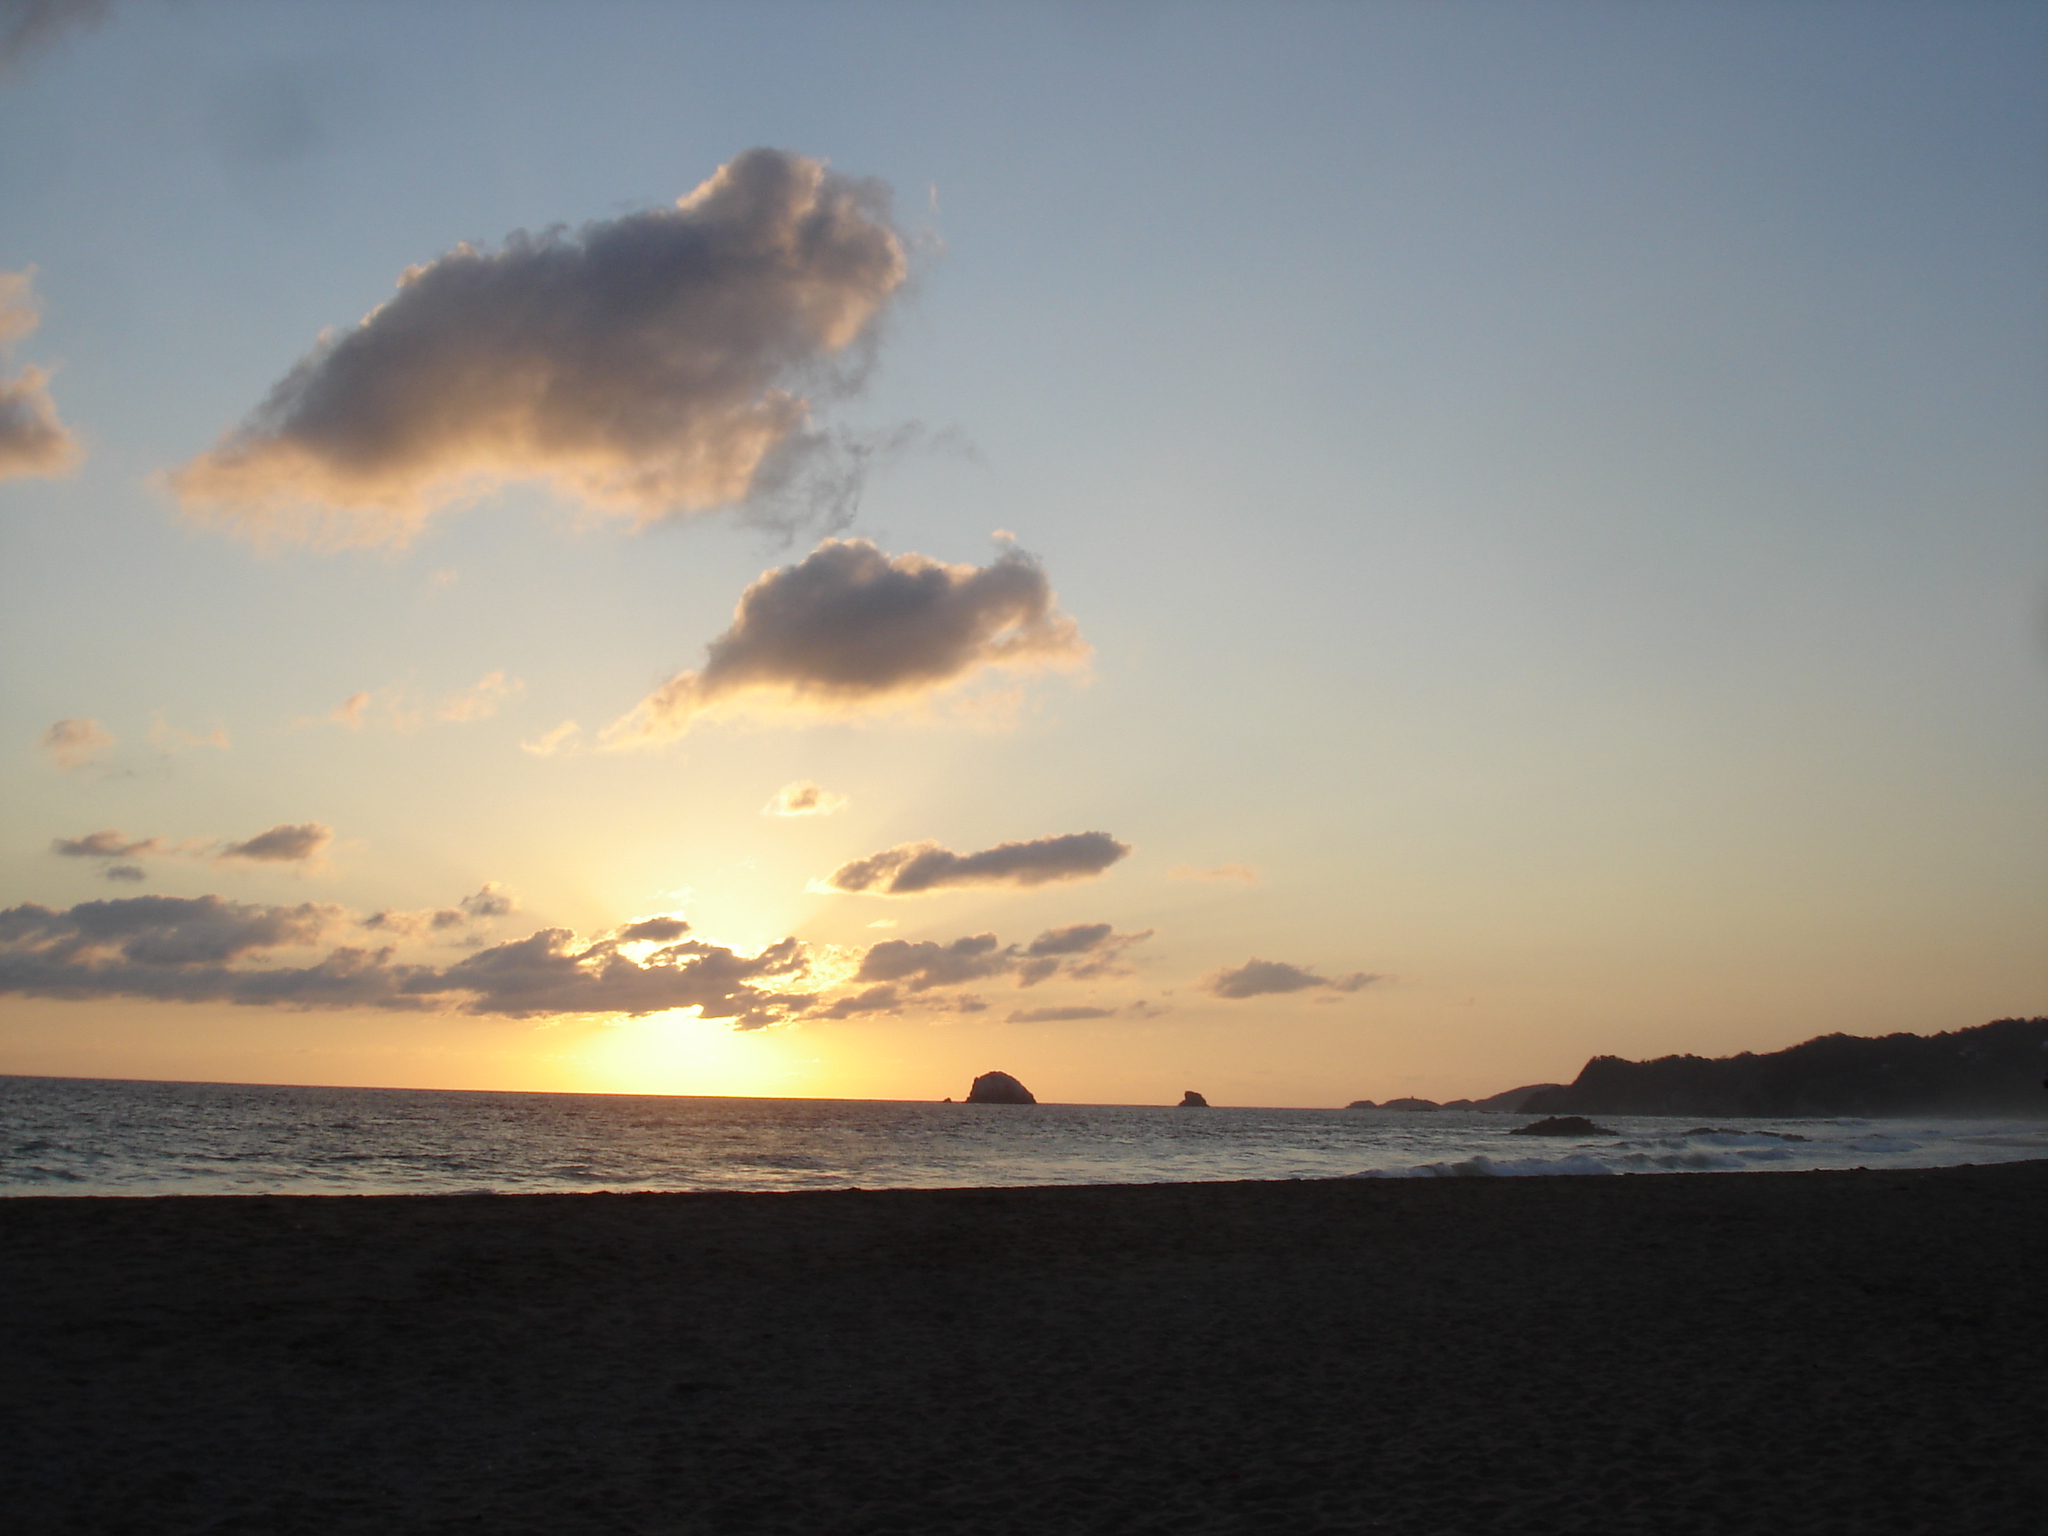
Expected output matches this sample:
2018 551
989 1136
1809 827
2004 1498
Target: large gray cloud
204 949
166 931
1262 978
32 440
914 868
646 365
850 629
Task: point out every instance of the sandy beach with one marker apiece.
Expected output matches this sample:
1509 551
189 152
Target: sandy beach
1772 1353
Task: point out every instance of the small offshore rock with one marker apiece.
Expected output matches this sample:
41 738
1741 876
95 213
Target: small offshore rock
999 1088
1411 1104
1563 1125
1193 1100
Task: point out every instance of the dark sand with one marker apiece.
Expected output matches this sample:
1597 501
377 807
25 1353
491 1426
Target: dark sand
1844 1353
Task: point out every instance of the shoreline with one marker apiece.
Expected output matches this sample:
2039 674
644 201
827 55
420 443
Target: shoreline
1706 1353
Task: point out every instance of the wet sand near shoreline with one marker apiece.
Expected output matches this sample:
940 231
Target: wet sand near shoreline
1832 1352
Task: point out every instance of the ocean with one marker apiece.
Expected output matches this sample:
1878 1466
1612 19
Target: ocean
75 1136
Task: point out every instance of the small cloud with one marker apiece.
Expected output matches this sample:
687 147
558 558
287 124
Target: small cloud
350 711
494 900
1141 1009
849 630
1262 978
77 743
644 366
294 844
883 922
1057 1015
410 925
1242 873
1074 939
481 700
925 964
803 798
653 930
877 999
170 740
124 872
913 868
108 844
32 440
560 739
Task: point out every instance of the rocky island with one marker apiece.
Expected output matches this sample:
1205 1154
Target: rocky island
999 1088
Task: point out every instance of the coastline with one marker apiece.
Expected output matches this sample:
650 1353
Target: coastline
1710 1353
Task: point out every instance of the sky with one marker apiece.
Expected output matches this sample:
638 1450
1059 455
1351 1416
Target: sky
1306 552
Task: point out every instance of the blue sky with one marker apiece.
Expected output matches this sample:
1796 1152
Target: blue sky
1553 497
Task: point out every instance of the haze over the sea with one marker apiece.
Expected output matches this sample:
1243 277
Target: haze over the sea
1320 552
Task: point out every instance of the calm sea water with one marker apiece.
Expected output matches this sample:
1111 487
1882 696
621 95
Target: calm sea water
76 1136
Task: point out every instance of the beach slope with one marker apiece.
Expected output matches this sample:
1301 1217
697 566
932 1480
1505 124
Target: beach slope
1770 1353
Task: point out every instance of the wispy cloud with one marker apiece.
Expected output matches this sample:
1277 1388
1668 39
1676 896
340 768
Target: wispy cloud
912 869
1242 873
77 743
401 709
645 365
1262 978
29 27
481 699
803 798
170 740
561 739
1058 1015
850 630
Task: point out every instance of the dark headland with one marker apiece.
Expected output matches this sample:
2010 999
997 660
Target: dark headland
1993 1069
1702 1355
2000 1068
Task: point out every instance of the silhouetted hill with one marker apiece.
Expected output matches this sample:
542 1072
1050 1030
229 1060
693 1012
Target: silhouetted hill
1993 1069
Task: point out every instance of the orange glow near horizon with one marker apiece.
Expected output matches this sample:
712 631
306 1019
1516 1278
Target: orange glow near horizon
678 1053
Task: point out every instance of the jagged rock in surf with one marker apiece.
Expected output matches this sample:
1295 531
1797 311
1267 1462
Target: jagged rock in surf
999 1088
1193 1100
1563 1125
